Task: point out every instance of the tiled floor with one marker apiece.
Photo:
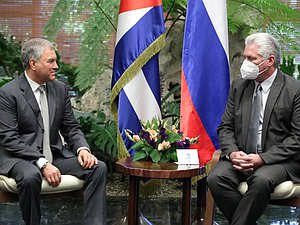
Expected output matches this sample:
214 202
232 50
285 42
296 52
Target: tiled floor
158 212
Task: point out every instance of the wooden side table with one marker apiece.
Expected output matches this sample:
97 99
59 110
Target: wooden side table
146 169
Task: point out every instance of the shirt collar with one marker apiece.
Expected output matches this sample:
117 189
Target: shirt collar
34 85
266 84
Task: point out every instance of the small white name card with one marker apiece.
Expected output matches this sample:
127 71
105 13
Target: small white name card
187 156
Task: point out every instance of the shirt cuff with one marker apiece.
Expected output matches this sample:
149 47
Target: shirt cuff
83 148
228 156
41 162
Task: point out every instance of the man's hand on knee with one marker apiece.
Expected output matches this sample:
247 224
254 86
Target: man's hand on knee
86 159
52 174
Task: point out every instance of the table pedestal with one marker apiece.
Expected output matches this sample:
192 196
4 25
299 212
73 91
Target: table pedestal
145 169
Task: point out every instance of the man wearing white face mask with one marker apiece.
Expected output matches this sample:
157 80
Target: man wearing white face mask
272 154
250 70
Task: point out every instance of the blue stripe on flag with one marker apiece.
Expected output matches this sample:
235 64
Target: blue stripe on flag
151 69
136 40
127 120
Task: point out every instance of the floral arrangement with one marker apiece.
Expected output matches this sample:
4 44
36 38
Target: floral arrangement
158 141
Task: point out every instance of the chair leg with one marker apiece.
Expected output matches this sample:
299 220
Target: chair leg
210 209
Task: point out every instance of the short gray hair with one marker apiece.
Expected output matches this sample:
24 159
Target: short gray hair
267 45
34 49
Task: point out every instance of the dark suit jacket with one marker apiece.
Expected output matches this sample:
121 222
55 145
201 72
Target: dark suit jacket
21 126
281 125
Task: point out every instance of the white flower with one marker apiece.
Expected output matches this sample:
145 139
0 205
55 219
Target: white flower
164 145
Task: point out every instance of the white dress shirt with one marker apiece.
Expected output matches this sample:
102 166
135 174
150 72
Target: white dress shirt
266 85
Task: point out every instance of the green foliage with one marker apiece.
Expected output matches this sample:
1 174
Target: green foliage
175 9
94 58
273 16
288 65
247 16
68 71
65 13
101 135
244 17
95 30
10 61
11 65
4 80
170 103
158 141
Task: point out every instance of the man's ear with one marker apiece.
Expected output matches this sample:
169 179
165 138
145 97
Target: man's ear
32 64
271 60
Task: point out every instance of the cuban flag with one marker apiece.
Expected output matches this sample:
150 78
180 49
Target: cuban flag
135 93
205 76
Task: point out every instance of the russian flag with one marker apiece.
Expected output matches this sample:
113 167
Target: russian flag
135 84
205 76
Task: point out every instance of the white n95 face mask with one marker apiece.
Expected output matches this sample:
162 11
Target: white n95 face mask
250 70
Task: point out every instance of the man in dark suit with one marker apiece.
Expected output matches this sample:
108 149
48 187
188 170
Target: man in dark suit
274 155
23 144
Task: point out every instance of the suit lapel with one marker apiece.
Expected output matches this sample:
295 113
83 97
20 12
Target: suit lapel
272 97
30 98
247 105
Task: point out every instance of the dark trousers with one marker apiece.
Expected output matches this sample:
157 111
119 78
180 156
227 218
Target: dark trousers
29 178
244 209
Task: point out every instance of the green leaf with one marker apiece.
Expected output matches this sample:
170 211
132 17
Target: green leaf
139 155
164 159
148 149
155 156
138 145
174 156
173 137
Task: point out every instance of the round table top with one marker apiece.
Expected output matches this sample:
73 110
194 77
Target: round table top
149 169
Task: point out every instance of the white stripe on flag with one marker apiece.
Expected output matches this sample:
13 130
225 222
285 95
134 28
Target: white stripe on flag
128 19
142 99
218 15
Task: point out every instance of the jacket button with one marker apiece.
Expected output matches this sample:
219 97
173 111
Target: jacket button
43 130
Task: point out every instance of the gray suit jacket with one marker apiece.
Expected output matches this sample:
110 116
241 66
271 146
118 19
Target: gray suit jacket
281 125
21 126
